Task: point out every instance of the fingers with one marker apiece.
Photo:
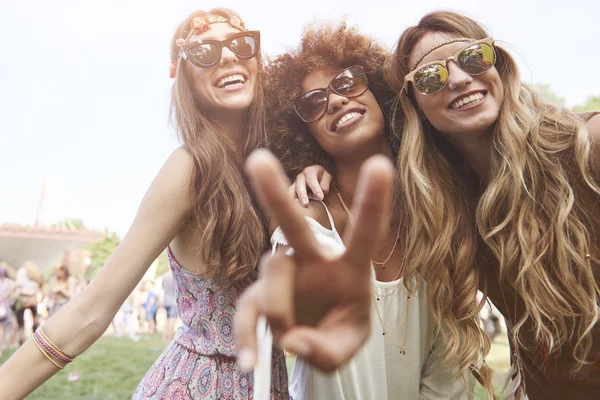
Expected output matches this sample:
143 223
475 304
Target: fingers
326 181
270 185
292 192
301 192
244 325
312 175
327 350
372 204
271 296
278 273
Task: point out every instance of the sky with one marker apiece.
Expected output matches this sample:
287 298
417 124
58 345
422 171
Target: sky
84 85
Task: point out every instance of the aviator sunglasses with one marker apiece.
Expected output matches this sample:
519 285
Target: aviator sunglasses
351 82
475 59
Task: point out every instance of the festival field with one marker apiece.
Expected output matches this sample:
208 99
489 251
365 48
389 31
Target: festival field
112 368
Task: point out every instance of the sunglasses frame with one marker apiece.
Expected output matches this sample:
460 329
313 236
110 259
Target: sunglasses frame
410 76
220 44
329 89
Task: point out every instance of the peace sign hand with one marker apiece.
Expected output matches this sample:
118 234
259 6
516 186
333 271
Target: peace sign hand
317 304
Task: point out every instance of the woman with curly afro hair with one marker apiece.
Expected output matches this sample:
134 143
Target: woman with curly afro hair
326 104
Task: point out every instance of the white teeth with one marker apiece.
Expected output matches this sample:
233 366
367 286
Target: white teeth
347 117
467 100
231 78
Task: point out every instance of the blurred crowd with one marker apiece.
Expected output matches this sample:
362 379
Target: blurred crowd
28 299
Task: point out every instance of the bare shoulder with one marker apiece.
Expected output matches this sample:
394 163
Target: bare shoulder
315 210
180 164
175 176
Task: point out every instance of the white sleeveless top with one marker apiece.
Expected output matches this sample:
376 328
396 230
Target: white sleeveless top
379 371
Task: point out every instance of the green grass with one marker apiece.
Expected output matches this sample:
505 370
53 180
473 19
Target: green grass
113 367
499 361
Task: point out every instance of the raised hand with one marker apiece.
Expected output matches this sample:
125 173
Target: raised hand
316 178
317 304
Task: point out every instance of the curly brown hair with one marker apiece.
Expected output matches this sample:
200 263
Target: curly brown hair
323 48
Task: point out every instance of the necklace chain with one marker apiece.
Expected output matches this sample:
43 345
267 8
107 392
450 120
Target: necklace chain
349 213
377 296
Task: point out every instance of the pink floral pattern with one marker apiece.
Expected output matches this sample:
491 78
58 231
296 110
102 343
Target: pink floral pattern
200 362
236 22
200 24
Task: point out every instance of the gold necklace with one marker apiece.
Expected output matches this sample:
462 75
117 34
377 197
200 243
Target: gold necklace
383 326
350 217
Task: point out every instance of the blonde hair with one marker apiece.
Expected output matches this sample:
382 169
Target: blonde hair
33 273
233 234
528 215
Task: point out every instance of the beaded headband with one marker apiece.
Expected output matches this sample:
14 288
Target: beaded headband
437 46
201 24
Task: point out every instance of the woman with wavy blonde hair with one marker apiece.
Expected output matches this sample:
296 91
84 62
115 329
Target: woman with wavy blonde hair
200 209
502 190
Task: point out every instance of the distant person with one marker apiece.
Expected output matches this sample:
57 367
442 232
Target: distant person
7 287
62 288
150 307
29 283
170 304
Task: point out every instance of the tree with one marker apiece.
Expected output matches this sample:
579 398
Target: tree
592 104
70 223
163 264
99 252
545 92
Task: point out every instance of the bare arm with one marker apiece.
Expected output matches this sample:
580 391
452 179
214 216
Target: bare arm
77 325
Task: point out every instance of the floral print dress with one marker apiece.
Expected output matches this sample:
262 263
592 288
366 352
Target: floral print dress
200 362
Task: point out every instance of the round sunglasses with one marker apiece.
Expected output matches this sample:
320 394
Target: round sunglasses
475 59
206 53
351 82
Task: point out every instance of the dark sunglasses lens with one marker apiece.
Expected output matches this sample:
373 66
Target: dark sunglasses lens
477 59
311 105
204 54
244 46
430 79
350 82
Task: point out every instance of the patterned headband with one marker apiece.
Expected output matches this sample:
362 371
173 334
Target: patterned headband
437 46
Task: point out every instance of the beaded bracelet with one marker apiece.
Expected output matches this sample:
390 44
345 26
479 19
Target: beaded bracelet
51 351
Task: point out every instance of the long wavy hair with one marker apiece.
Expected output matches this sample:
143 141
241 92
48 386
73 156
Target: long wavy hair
232 232
529 216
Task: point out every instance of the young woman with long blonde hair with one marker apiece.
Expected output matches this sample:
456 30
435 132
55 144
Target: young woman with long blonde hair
502 188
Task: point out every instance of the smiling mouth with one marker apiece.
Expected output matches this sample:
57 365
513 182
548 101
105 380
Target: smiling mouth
231 81
347 120
468 101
